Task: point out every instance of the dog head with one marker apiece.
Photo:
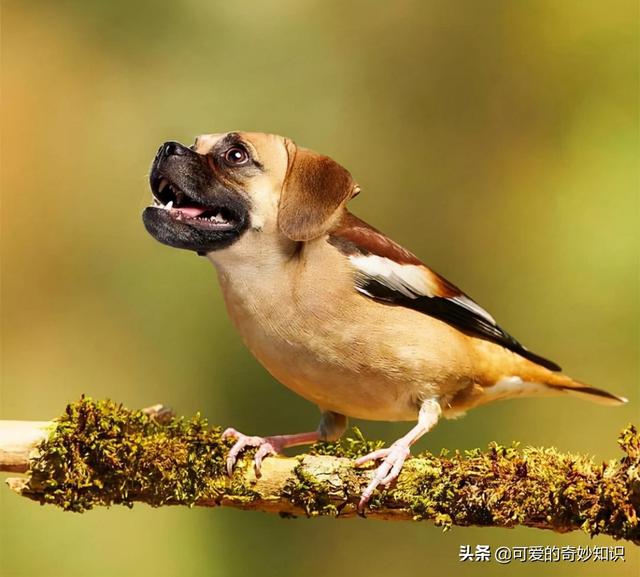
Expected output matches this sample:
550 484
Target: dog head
210 195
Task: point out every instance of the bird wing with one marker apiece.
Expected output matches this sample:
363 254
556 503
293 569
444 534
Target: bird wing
387 272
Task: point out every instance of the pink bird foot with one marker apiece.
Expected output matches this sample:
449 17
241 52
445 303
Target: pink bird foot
266 446
393 459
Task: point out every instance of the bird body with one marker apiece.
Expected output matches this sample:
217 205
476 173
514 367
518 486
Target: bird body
306 330
310 339
333 308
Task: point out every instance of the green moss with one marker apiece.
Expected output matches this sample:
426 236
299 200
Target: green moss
101 453
309 493
505 486
349 447
501 486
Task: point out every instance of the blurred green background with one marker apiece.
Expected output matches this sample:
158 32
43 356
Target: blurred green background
498 140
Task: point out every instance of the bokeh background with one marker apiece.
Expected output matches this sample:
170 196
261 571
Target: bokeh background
498 140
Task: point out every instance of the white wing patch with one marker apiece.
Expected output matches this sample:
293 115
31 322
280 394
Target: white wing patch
467 303
410 280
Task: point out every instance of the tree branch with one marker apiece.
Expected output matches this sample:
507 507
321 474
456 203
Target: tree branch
100 453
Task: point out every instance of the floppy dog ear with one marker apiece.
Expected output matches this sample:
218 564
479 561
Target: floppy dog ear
315 188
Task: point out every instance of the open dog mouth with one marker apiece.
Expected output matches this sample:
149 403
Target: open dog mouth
167 196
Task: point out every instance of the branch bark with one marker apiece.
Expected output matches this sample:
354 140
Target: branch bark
100 453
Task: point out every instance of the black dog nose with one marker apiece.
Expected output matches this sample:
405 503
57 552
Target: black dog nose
172 148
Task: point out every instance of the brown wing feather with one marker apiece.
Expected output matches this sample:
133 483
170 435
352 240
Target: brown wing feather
398 277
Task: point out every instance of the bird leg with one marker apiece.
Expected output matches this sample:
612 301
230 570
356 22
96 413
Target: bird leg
393 457
331 427
266 445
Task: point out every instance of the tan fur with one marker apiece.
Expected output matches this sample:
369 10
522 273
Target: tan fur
295 306
315 188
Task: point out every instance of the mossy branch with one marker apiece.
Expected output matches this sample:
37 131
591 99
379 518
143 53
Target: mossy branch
100 453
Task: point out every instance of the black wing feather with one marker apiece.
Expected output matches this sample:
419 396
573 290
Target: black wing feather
451 312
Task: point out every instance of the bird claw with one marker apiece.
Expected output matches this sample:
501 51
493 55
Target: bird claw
393 459
265 446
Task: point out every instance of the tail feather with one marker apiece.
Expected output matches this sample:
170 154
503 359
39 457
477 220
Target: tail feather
584 391
512 375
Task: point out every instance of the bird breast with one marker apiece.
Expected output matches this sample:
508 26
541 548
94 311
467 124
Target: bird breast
319 337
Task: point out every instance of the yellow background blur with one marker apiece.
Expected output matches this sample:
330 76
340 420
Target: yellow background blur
498 140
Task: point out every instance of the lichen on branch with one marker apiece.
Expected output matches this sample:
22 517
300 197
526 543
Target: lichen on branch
101 454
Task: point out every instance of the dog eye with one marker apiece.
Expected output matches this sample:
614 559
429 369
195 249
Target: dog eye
236 156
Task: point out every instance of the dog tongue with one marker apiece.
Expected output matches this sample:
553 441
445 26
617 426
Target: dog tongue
190 211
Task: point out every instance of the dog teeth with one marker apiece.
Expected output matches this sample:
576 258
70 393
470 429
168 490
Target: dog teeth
169 205
163 183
